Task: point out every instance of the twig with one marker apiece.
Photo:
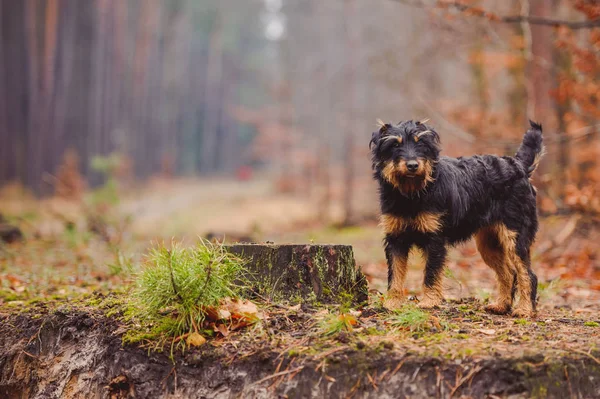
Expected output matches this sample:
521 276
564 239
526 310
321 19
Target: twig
438 381
184 336
354 389
29 354
585 353
569 382
398 367
292 375
268 301
372 382
164 380
330 352
465 379
277 381
278 375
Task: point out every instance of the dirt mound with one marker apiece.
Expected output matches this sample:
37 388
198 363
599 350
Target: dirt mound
72 354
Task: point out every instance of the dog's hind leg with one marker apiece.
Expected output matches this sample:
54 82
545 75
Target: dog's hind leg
432 287
397 258
518 254
494 255
526 281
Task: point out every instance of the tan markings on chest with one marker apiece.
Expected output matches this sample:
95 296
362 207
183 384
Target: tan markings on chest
424 222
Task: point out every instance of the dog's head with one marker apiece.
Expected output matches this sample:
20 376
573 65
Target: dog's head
405 154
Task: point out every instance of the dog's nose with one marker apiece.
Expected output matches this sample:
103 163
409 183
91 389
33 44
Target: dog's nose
412 166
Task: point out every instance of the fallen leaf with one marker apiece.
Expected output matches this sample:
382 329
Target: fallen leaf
240 309
195 339
487 331
216 313
348 319
295 307
220 328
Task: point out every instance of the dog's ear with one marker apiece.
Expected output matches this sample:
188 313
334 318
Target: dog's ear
383 127
383 131
426 130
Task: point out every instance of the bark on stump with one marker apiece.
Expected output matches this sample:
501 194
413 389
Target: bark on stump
327 273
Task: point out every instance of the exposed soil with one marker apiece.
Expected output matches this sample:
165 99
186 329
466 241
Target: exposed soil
76 351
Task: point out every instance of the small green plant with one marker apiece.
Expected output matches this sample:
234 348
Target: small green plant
334 324
591 324
521 322
547 290
484 294
106 166
179 286
121 264
411 318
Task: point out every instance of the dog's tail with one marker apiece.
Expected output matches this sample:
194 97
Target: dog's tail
531 150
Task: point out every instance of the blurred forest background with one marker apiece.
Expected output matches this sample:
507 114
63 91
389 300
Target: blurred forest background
254 116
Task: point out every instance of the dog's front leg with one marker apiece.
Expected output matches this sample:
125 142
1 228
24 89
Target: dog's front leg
396 252
432 288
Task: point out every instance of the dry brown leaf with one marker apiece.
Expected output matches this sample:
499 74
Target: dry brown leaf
216 313
220 328
195 339
241 309
487 331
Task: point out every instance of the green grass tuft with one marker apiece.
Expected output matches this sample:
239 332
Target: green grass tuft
591 324
412 318
178 285
334 324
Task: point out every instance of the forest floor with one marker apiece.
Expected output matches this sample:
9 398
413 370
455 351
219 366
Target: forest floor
63 292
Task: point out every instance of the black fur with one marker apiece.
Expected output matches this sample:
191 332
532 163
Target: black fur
471 193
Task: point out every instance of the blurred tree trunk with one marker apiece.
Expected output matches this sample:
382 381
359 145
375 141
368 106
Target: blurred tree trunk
53 151
480 77
34 145
539 67
213 95
5 148
352 52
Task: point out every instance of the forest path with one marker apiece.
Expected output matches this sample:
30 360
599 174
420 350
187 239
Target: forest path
199 206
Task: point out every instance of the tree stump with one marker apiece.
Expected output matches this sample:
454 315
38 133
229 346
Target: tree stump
326 273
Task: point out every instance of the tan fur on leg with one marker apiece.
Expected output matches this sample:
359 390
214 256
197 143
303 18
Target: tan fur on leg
395 295
433 296
523 308
493 254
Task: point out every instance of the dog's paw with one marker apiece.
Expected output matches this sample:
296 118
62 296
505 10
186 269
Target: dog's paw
430 302
498 308
523 313
393 302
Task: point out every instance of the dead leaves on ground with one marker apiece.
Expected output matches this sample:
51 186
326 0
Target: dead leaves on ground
232 314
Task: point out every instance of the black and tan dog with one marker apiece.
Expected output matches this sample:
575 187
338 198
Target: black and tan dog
433 202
